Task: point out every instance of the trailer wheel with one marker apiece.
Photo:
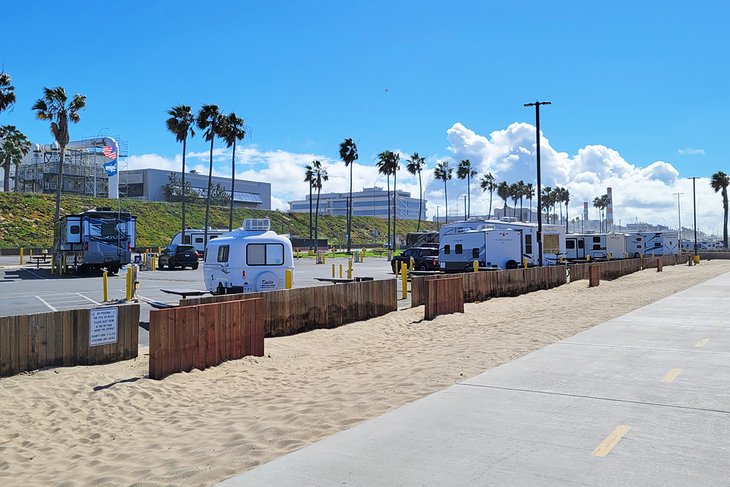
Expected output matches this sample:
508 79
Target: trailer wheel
511 264
636 255
220 289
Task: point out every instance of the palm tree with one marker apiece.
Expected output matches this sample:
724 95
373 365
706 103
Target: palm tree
529 194
600 203
385 167
514 194
521 194
209 120
348 154
503 191
233 128
13 147
181 124
547 201
396 166
443 172
415 165
566 200
7 92
319 175
56 108
489 184
465 171
309 178
719 182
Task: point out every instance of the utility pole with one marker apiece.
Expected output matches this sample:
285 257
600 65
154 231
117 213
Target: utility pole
694 204
537 104
679 220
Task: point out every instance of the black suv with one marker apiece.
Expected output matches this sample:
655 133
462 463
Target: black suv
424 258
179 256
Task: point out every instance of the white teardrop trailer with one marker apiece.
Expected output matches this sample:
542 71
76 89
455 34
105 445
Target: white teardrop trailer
248 259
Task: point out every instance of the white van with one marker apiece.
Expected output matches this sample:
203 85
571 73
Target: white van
492 248
248 259
196 237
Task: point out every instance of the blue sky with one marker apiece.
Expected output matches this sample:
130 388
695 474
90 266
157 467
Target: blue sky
646 79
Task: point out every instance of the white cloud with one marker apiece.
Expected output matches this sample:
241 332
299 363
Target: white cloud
689 151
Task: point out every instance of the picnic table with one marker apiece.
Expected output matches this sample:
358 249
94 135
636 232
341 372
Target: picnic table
185 292
38 259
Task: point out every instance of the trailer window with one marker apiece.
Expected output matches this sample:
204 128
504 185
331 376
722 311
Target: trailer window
223 253
597 247
570 244
596 239
475 253
108 229
199 240
581 244
447 249
551 244
528 243
265 254
458 249
186 239
74 230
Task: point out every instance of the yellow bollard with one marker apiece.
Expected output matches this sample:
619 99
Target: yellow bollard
588 258
129 284
404 278
524 262
333 271
289 278
362 255
476 265
30 253
340 271
610 255
349 268
105 285
696 259
412 263
159 250
53 264
323 258
63 264
154 263
21 255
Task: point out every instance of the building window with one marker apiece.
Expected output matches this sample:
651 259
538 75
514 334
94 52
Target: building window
223 253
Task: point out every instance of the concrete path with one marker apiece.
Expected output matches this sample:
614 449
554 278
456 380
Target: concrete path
643 399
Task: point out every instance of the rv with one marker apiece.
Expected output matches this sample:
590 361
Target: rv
553 237
596 245
497 249
196 237
634 245
660 243
96 239
248 259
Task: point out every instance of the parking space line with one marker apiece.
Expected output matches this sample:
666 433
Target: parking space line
671 375
702 343
88 299
605 447
35 274
46 303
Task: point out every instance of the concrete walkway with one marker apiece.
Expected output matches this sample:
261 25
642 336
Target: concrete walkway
643 399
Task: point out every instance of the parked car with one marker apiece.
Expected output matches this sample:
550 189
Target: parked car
182 256
424 258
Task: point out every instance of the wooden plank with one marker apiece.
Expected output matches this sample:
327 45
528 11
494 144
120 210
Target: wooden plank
12 346
134 331
4 346
155 345
67 350
23 324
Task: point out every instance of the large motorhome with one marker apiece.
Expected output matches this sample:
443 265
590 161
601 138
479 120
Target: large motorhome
595 245
248 259
661 243
553 237
490 247
97 239
196 237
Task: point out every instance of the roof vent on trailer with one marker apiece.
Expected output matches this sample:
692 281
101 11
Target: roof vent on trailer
256 224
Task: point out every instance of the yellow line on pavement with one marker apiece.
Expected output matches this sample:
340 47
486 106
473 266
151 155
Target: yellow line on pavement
671 375
702 343
611 441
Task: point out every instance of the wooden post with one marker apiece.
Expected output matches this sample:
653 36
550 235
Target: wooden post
594 275
659 264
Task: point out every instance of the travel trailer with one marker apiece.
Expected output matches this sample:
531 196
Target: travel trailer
196 237
96 239
493 248
661 243
248 259
553 237
634 245
596 245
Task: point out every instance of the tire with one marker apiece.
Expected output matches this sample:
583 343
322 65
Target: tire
422 267
194 266
220 290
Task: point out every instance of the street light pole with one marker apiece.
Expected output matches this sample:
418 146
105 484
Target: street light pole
694 204
679 220
537 104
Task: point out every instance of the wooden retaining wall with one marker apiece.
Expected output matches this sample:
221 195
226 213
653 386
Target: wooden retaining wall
291 311
61 339
480 286
197 337
613 269
444 296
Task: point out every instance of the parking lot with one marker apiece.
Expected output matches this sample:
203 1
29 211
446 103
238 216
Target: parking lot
26 289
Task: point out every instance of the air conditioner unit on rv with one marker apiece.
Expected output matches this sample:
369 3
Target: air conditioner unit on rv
256 224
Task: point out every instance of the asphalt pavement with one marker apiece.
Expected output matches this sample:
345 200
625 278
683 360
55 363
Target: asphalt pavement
643 399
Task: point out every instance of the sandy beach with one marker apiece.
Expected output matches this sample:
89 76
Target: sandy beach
108 425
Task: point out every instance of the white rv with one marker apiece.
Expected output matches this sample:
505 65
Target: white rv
660 243
196 237
497 249
248 259
634 245
595 245
553 237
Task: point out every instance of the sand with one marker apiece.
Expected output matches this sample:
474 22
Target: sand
109 425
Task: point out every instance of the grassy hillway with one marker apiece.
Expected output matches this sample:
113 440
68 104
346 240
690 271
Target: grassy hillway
26 220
